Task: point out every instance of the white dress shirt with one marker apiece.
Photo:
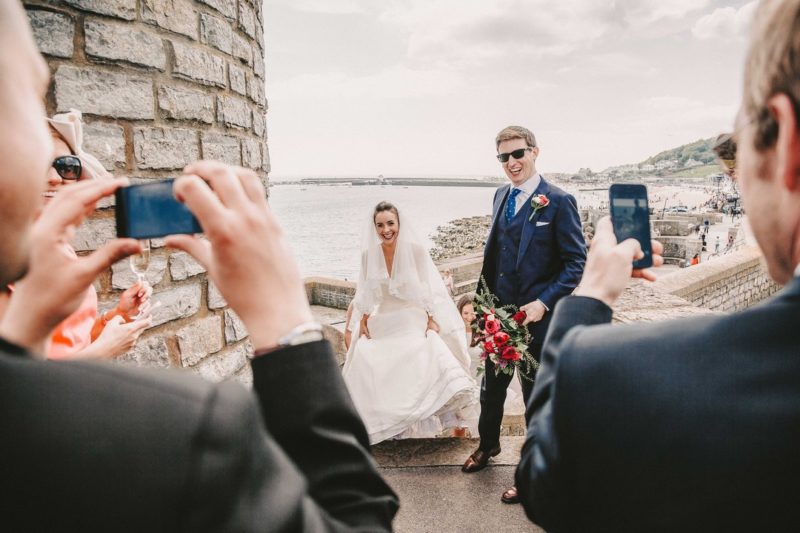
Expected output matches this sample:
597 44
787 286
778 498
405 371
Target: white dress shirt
525 191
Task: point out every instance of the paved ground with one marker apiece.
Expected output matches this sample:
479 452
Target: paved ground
435 496
441 499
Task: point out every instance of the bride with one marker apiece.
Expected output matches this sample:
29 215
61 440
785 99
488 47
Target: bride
407 365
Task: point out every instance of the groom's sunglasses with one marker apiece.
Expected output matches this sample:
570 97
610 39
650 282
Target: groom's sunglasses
516 154
68 167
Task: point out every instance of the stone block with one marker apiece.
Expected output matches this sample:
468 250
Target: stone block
242 49
199 339
222 148
245 376
258 64
259 125
123 9
158 243
255 90
54 33
103 93
238 79
163 148
216 32
121 42
178 103
148 352
232 111
247 19
223 365
234 327
226 7
183 266
251 154
215 299
93 234
123 277
178 16
107 143
198 65
176 303
265 158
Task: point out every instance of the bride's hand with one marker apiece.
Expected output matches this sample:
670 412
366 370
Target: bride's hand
364 329
432 326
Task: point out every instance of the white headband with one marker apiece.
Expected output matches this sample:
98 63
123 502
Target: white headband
70 127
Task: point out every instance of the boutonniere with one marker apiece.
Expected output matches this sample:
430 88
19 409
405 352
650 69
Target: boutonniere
538 201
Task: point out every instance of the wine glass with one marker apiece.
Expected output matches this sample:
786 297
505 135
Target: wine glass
141 262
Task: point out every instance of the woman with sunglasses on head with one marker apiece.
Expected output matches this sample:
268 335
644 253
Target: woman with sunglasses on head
86 334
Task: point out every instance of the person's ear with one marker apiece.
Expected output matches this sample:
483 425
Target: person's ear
787 145
535 152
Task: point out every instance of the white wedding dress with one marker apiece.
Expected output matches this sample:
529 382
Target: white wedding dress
406 383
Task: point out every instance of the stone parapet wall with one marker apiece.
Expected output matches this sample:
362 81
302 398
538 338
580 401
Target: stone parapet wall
162 83
728 283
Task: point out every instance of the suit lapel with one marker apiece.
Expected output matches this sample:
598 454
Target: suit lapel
499 198
529 226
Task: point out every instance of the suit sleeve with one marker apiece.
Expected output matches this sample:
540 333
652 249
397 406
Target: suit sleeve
542 474
295 460
571 249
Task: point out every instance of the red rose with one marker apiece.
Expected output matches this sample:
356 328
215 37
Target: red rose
492 327
519 317
510 354
543 200
489 347
501 338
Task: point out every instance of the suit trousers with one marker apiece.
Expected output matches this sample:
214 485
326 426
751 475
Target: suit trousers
493 395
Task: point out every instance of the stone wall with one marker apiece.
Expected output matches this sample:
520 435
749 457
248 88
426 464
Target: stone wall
162 83
727 283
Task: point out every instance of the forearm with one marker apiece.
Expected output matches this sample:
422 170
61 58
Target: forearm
308 410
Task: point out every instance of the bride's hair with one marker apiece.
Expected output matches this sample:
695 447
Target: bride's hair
385 206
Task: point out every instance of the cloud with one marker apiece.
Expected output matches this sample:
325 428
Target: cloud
725 23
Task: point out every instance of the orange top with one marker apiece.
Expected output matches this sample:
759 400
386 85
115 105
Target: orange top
75 332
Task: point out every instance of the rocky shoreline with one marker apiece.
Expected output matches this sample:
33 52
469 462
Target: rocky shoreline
460 237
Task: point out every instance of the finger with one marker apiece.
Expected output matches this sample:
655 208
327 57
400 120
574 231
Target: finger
199 198
646 274
252 186
631 248
95 263
198 248
72 203
140 325
116 320
604 233
223 181
658 248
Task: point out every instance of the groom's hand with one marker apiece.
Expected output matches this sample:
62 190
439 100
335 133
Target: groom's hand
534 312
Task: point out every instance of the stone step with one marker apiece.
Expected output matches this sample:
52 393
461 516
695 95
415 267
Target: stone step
412 453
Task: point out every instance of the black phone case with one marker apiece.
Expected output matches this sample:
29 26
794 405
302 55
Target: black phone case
150 210
632 191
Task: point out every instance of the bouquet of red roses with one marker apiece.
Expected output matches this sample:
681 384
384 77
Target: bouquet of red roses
503 338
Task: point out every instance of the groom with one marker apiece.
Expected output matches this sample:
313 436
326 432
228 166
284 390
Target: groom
534 256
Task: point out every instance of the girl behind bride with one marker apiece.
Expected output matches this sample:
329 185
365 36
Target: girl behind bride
407 366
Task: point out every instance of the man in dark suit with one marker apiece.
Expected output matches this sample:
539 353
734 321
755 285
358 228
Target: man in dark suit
534 256
98 447
685 425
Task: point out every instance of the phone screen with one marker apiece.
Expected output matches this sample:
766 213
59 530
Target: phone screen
630 215
150 210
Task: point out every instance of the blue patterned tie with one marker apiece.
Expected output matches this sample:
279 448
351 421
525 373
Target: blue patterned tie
511 204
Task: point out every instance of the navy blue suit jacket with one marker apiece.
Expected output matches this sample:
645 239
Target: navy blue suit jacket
552 251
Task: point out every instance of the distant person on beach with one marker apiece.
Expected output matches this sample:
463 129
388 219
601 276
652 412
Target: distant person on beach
688 424
534 257
407 365
447 277
717 245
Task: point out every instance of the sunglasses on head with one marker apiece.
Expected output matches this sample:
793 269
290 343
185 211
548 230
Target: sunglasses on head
516 154
68 167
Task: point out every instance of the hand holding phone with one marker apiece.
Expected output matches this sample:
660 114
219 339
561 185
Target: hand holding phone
630 216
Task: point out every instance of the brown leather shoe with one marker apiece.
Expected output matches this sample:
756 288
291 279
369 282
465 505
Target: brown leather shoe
510 496
478 460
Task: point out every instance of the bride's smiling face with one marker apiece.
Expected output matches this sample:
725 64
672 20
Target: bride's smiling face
387 227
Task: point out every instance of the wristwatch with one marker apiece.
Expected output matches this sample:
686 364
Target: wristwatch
308 332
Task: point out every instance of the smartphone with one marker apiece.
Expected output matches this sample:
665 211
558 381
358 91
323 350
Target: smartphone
630 215
150 210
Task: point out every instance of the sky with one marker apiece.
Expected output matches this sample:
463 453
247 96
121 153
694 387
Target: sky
421 87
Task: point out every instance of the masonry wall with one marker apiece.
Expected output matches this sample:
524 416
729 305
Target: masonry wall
162 83
728 283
